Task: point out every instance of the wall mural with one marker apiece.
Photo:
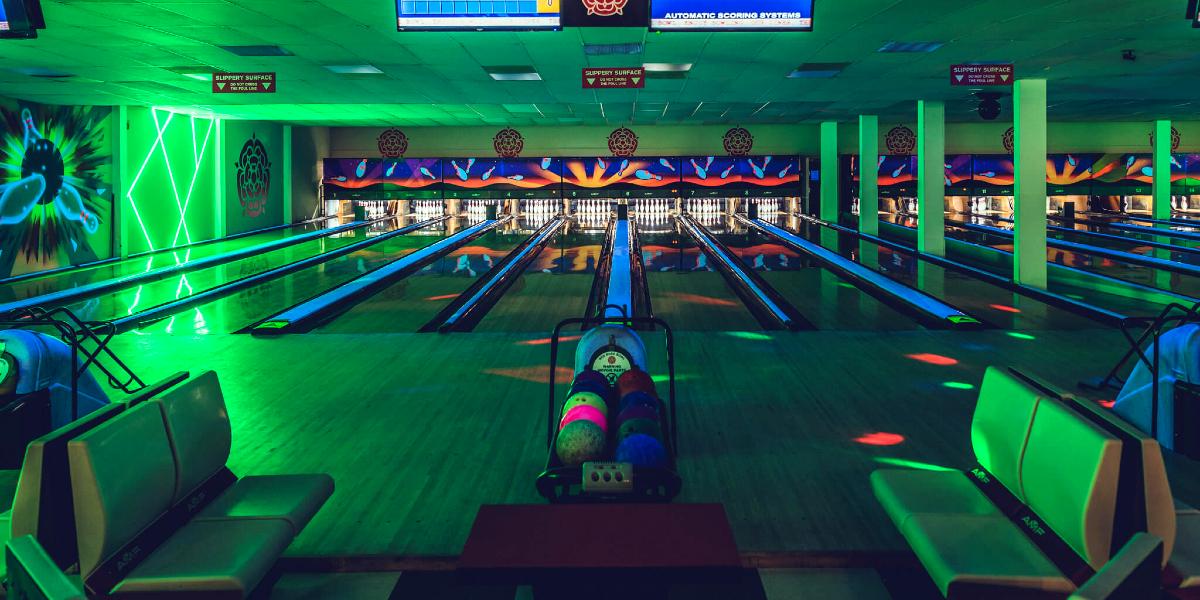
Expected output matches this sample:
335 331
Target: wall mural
1006 140
253 177
392 143
622 142
1175 139
508 143
55 186
738 141
900 140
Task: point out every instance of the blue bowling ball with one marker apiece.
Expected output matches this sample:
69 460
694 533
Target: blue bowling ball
635 398
642 450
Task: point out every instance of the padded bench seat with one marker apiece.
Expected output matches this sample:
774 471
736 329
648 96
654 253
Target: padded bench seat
210 559
904 493
291 498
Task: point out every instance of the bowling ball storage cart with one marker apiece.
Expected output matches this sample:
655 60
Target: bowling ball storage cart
560 484
26 416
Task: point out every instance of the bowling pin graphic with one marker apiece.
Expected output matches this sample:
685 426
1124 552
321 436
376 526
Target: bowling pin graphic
785 170
621 171
727 171
425 172
546 162
461 172
666 163
701 172
361 169
391 169
645 175
488 173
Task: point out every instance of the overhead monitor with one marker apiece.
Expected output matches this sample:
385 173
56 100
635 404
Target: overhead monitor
20 18
435 15
740 15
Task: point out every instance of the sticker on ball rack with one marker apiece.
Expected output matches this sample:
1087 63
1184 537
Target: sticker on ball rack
612 363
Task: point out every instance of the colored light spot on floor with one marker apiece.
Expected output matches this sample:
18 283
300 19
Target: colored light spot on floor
698 299
538 374
748 335
545 341
933 359
910 464
880 438
1106 403
845 285
1074 296
443 297
1005 308
958 385
1021 336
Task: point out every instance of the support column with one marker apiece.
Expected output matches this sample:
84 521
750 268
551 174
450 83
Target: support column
120 116
287 174
219 228
1029 158
931 177
1161 207
829 172
868 175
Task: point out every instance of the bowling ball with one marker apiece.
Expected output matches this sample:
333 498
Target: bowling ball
642 451
635 398
579 442
584 413
637 411
591 376
635 380
639 426
586 399
600 390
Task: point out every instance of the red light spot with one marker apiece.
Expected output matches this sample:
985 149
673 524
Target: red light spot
538 374
446 297
705 300
880 438
1008 309
544 341
933 359
1106 403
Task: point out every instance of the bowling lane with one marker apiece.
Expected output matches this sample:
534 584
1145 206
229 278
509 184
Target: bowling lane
987 302
555 286
685 291
69 279
236 311
137 297
1112 296
1083 260
410 303
1111 239
826 300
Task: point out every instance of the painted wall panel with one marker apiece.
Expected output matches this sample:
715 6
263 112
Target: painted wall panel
253 175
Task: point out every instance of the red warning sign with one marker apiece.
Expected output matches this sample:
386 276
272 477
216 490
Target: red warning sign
609 77
981 74
243 83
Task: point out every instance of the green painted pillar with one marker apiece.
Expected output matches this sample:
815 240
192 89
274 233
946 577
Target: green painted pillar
121 172
829 172
931 177
287 174
868 175
1162 170
1029 158
219 227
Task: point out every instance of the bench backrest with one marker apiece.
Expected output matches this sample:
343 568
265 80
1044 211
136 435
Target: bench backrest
123 479
198 430
1070 474
1000 426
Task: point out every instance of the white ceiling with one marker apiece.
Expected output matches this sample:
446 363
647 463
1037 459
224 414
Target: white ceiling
120 52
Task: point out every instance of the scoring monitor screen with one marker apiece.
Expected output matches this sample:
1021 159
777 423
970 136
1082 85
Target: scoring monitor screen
476 14
731 14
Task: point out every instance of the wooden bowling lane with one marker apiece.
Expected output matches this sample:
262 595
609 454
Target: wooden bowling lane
685 293
411 302
553 288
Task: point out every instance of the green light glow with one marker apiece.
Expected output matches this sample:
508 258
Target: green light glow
909 464
748 335
1021 336
154 196
958 385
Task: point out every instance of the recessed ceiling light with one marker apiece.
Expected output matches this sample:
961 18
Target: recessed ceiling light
608 49
911 46
257 50
354 69
817 70
667 67
513 73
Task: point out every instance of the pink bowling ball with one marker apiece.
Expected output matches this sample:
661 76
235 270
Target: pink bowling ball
588 413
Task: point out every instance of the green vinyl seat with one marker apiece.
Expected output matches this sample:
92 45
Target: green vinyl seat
151 469
199 431
969 547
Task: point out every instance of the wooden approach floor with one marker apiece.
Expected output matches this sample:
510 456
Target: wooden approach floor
419 430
